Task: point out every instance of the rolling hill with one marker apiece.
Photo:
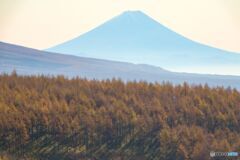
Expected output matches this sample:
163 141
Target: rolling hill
27 61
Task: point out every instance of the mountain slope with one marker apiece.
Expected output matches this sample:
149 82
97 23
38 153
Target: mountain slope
29 61
137 38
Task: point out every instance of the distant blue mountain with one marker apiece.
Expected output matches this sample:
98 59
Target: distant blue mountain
27 61
135 37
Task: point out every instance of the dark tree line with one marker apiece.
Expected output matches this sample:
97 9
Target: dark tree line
52 117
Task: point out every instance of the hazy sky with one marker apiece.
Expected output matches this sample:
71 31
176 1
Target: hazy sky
44 23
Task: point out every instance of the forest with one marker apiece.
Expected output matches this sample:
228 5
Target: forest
57 118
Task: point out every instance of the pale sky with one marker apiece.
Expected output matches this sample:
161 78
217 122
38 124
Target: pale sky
44 23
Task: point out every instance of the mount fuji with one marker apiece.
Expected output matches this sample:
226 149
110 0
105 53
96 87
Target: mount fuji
135 37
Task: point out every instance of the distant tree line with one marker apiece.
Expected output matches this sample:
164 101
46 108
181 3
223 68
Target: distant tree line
46 117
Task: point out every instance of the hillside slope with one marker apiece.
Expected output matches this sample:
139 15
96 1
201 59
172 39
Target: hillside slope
28 61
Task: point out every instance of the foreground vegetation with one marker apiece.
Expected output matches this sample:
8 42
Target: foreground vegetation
55 118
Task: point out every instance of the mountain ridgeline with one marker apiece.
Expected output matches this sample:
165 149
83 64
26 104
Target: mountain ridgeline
135 37
54 118
27 61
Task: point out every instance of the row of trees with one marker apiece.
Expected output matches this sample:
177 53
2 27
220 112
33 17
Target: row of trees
78 118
